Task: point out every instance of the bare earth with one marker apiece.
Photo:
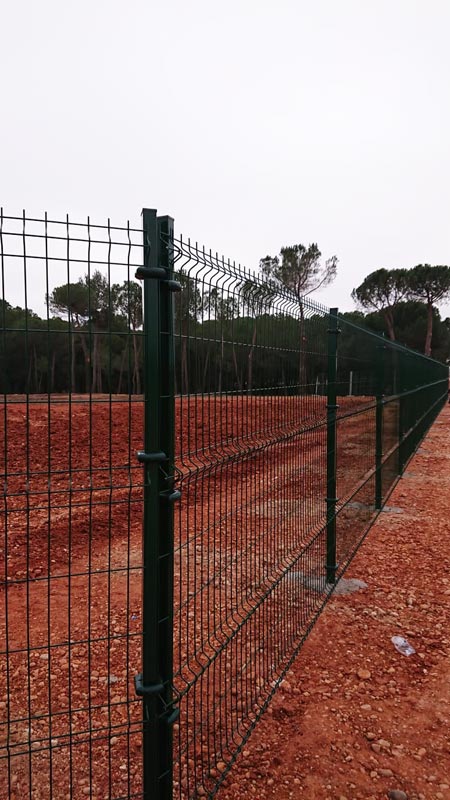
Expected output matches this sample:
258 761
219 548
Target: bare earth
355 718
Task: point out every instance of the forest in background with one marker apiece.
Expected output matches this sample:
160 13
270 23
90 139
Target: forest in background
92 340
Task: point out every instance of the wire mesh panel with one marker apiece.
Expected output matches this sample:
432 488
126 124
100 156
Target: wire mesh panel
71 518
388 397
273 432
253 532
250 546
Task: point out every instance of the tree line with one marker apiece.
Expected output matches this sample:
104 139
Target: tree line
403 303
91 339
396 293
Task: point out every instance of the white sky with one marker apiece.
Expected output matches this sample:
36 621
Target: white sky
255 124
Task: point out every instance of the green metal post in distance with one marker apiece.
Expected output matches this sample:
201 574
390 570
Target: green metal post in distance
401 411
154 684
379 426
332 407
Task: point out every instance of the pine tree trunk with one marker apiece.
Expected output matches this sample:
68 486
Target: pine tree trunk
429 330
52 374
301 355
136 373
122 365
389 317
37 376
94 364
99 372
238 380
250 362
205 371
30 372
96 368
87 372
72 366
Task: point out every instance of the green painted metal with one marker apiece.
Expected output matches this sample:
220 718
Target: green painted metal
401 412
332 408
151 643
235 576
155 682
168 495
379 426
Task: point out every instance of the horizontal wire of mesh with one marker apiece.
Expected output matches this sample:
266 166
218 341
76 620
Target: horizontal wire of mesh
71 512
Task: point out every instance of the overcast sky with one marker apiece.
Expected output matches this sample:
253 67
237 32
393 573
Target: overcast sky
255 124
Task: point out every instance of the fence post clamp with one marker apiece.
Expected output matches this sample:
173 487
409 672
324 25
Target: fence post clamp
171 712
160 274
158 457
141 690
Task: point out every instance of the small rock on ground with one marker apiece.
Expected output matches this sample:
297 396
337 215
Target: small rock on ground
349 585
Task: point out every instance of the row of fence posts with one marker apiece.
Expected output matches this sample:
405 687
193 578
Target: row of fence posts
379 378
332 437
155 683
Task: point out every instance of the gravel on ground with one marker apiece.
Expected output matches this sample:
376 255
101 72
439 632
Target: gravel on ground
354 717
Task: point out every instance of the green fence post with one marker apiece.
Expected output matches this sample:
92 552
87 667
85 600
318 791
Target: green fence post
379 426
332 407
154 684
401 415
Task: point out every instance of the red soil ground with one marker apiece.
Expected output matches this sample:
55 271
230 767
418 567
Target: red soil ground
70 606
355 718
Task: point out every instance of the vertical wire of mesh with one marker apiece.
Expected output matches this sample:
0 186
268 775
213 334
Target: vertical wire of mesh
71 515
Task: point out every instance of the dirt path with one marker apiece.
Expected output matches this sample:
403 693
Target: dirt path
355 718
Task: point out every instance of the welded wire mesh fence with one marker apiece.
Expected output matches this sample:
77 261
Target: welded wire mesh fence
136 659
71 512
250 543
293 426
